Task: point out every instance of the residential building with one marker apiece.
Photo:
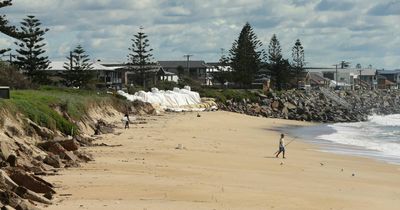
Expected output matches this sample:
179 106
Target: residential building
348 78
391 75
213 69
316 79
365 78
130 74
106 76
340 78
196 70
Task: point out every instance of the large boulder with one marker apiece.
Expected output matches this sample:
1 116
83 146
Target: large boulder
30 182
57 149
43 132
67 144
290 106
53 160
5 150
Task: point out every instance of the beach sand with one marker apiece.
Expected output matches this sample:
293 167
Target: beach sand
226 161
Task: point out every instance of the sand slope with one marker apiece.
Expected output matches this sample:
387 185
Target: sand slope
226 163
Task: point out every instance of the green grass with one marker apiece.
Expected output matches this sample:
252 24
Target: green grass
230 94
40 106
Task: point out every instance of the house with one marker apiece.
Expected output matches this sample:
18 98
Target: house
316 79
130 74
364 78
391 75
196 70
300 80
384 83
106 76
213 70
344 79
348 78
167 76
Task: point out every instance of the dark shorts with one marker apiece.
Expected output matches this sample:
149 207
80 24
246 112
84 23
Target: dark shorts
281 149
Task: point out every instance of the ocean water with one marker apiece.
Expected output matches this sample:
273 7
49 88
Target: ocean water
379 137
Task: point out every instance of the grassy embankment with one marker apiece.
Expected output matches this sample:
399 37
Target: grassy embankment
48 107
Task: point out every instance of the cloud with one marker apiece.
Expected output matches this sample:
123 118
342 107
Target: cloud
333 5
361 30
300 3
383 9
177 11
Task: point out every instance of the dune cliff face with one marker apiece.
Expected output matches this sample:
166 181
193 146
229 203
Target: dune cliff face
320 106
29 149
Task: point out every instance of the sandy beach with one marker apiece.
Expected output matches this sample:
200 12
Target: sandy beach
225 162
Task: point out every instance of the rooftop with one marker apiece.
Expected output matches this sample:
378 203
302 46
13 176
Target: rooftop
174 64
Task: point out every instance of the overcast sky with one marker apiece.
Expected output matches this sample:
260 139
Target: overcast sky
359 31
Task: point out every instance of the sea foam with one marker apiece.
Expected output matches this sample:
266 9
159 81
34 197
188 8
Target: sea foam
379 136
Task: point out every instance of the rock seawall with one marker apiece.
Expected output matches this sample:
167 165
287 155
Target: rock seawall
320 105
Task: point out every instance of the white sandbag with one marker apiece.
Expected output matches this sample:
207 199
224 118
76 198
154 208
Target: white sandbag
175 100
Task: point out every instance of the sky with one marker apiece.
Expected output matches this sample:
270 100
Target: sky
357 31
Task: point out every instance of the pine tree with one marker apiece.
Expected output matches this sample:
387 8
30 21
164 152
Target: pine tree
141 54
298 59
279 67
223 74
5 28
245 57
78 68
30 54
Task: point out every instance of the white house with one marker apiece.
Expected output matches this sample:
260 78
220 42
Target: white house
106 76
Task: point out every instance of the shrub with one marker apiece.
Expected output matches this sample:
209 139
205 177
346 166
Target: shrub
132 89
187 81
230 94
10 76
166 85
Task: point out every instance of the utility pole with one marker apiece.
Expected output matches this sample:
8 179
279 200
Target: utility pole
343 64
360 78
11 56
336 85
187 61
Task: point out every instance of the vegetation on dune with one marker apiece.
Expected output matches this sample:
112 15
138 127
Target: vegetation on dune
56 108
230 94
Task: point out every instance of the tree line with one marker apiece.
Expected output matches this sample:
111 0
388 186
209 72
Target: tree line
249 61
247 57
33 62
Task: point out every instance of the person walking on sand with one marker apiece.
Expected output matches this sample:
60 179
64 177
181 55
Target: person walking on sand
281 145
125 120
